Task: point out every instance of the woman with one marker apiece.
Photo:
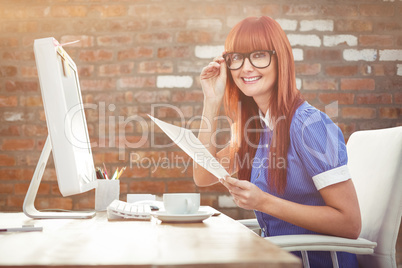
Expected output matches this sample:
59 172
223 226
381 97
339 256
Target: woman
289 157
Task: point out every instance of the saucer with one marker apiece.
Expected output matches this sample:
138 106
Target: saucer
199 216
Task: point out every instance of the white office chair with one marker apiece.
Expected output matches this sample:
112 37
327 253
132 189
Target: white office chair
375 164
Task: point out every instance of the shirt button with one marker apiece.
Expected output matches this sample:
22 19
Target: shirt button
266 146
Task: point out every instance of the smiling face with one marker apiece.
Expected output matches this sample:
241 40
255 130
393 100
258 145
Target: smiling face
255 82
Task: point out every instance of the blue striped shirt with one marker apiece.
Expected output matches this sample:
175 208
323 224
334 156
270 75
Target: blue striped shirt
316 158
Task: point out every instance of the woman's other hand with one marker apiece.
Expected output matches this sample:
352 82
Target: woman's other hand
245 194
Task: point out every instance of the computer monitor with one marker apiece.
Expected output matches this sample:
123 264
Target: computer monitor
67 129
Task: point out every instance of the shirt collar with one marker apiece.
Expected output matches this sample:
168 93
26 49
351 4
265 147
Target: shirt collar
266 119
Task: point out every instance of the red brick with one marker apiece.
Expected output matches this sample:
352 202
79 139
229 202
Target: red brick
357 84
148 157
31 101
358 113
18 55
390 83
174 52
10 174
146 11
376 10
334 10
6 160
28 86
8 101
10 130
136 171
347 128
125 25
137 82
6 188
98 84
84 40
68 11
95 55
353 26
151 67
8 71
320 84
342 98
310 97
388 26
21 188
54 202
135 53
181 186
147 187
7 42
209 200
194 37
323 55
23 12
109 10
86 201
342 70
187 96
29 71
383 98
18 144
21 27
390 112
399 41
376 40
167 23
307 69
116 69
398 97
35 130
131 142
168 172
154 38
114 41
15 201
85 71
300 10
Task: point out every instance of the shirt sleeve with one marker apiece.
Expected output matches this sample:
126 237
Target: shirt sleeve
321 147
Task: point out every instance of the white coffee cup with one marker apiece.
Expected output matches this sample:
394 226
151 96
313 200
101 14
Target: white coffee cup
181 203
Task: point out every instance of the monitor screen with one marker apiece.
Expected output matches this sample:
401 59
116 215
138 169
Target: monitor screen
65 117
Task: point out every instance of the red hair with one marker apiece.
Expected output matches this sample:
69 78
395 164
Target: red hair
251 34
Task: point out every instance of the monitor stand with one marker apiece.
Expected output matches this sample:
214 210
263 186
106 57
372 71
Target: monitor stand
29 206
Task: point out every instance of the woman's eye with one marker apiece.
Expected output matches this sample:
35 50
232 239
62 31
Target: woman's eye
258 55
237 57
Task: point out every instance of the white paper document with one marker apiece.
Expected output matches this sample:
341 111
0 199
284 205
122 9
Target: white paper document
190 144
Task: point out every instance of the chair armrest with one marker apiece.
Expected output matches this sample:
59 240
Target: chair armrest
323 243
250 223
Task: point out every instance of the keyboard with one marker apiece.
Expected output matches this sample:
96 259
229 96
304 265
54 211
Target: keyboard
120 210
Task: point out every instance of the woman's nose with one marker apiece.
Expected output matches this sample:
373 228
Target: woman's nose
247 66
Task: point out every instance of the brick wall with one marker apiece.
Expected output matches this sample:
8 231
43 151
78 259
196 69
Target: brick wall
135 54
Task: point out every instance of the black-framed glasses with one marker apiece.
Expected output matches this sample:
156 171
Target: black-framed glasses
259 59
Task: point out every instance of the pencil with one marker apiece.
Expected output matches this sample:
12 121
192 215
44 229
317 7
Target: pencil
121 172
107 176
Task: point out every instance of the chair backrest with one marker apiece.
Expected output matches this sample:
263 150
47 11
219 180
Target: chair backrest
375 164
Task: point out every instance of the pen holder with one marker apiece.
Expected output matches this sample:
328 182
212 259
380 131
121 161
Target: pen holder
106 192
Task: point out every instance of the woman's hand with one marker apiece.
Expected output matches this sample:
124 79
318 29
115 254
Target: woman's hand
245 194
213 79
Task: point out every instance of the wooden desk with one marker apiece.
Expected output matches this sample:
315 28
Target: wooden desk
218 241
